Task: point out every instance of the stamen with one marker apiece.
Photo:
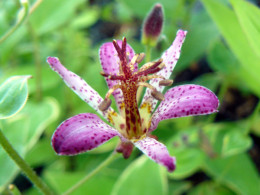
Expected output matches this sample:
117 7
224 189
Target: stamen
149 77
166 82
151 68
105 104
112 77
157 95
140 58
110 91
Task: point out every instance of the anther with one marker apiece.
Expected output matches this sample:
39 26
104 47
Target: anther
105 104
166 82
157 95
140 58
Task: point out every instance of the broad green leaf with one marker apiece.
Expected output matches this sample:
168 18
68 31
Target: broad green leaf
198 40
44 148
230 28
86 19
142 177
184 146
211 189
101 183
222 60
23 131
51 14
179 187
228 138
13 95
248 16
237 172
235 142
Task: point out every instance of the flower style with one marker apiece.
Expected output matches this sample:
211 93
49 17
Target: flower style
132 123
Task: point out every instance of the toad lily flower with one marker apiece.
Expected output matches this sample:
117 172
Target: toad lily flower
133 124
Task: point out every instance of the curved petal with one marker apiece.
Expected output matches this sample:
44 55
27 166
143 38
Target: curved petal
110 65
78 85
170 58
157 152
185 100
81 133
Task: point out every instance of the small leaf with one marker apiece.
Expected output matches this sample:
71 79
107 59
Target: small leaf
13 95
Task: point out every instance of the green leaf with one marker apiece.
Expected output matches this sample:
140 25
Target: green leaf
228 138
248 16
210 188
237 172
86 19
62 181
13 95
142 177
230 28
197 41
51 14
182 146
222 60
234 142
23 131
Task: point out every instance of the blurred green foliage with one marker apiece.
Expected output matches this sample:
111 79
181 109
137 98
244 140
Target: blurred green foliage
216 154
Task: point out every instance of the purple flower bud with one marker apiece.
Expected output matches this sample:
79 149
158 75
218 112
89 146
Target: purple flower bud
152 26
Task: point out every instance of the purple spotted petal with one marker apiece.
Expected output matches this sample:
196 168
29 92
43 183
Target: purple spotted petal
110 65
170 58
81 133
185 100
157 152
78 85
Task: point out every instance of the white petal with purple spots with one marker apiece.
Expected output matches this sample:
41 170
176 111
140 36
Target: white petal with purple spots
170 58
185 100
78 85
81 133
157 152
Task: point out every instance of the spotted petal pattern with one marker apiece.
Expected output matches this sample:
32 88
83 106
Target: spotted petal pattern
78 85
157 152
81 133
185 100
110 65
170 58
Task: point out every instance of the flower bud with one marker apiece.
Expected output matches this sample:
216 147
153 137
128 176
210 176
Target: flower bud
152 26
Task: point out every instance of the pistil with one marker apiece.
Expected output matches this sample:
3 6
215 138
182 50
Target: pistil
128 82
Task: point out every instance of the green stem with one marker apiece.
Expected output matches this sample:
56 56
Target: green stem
110 159
20 20
23 165
148 53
